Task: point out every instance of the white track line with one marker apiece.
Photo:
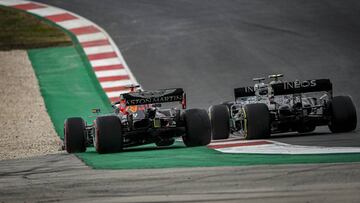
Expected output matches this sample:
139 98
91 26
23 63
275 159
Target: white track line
91 37
99 49
48 11
115 94
76 23
283 148
109 73
12 2
119 83
105 62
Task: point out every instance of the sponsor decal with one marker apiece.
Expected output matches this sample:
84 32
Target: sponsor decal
249 89
299 84
151 100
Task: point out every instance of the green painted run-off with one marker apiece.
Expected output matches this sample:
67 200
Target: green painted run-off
68 86
179 156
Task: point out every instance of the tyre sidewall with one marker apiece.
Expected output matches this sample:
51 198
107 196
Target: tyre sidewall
343 114
108 134
74 135
198 128
257 121
220 121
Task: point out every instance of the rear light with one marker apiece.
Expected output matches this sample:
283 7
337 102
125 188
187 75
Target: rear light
122 106
183 102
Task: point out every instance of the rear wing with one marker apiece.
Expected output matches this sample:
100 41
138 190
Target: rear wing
244 92
152 97
285 88
305 86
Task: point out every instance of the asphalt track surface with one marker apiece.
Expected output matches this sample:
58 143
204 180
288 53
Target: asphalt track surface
64 178
210 47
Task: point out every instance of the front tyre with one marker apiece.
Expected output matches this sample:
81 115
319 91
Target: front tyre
108 134
220 121
343 115
198 128
74 135
256 121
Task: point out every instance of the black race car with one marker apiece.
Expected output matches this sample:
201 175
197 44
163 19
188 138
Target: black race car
138 119
280 106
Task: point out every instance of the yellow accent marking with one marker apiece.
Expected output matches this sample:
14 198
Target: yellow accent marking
245 123
157 123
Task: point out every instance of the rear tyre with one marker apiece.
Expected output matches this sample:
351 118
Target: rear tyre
198 128
108 135
228 104
220 123
256 121
74 135
343 114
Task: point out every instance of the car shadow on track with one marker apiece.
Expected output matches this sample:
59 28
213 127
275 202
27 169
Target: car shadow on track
287 135
153 147
320 137
295 134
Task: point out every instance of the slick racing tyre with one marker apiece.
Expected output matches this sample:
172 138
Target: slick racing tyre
228 104
108 135
256 121
198 128
74 135
343 114
220 121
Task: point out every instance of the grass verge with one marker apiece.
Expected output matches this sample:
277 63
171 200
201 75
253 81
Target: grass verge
20 30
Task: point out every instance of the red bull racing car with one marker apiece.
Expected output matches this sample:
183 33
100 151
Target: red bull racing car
280 106
139 119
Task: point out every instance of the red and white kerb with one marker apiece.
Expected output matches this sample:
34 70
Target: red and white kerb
105 58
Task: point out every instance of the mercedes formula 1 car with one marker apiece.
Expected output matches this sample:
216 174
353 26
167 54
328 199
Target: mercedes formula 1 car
138 119
280 106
